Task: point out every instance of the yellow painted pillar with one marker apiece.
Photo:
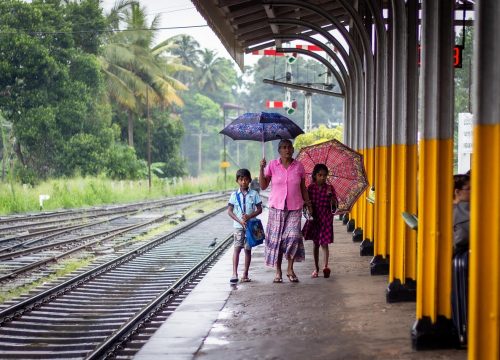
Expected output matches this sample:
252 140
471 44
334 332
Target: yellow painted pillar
368 228
484 265
433 326
402 264
379 265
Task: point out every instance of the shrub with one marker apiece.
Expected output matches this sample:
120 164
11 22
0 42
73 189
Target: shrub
122 163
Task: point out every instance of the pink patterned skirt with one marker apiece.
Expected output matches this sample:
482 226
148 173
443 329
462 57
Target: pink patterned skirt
283 235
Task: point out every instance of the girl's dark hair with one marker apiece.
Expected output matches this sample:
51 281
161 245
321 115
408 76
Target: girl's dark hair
317 169
242 173
460 180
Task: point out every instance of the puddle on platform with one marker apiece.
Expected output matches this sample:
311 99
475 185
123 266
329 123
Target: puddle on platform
218 328
211 340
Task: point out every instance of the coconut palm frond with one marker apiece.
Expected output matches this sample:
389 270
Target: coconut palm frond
119 91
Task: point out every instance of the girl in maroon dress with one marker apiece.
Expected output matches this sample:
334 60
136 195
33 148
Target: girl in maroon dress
320 229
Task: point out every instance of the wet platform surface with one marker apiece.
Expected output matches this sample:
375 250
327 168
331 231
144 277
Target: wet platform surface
343 317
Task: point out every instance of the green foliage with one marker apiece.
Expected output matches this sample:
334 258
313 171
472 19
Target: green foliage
90 191
168 131
85 16
315 136
54 88
84 153
201 115
122 163
25 175
212 75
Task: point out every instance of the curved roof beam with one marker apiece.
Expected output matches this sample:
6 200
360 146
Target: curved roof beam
326 35
357 75
345 34
320 59
383 129
325 48
369 78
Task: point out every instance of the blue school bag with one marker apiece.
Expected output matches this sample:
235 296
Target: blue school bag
254 233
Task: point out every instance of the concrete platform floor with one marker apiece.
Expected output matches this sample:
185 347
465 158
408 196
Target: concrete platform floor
343 317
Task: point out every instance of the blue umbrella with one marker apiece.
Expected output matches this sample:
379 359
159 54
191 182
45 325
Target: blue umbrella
263 127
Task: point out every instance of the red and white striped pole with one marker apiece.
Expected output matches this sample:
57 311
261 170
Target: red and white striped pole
289 106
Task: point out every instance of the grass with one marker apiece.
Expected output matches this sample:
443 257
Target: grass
90 191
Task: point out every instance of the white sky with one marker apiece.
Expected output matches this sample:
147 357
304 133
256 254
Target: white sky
183 13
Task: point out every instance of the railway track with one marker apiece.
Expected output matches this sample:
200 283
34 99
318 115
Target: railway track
24 257
93 314
17 228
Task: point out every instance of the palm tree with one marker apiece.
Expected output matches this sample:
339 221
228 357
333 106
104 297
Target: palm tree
187 49
212 72
133 67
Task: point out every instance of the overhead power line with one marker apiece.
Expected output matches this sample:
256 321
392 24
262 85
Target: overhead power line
37 32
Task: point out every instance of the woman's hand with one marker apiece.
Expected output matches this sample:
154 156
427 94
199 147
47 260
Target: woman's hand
263 163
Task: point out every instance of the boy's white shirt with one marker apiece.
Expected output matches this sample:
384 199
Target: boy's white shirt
252 199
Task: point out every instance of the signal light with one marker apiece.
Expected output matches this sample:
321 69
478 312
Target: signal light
291 109
291 57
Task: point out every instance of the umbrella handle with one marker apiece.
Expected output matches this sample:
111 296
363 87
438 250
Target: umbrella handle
263 143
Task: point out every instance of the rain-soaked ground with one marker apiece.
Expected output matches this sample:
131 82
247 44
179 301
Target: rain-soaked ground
343 317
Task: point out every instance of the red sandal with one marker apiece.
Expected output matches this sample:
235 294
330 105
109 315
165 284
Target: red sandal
314 274
326 272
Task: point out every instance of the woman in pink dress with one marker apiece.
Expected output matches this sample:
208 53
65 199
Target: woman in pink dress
320 229
288 195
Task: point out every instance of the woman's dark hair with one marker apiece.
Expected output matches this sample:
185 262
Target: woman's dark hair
317 169
460 180
284 141
243 173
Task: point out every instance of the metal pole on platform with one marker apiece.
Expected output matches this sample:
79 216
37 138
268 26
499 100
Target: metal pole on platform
149 137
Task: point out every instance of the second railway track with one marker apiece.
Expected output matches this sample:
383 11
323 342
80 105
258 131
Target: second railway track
24 258
88 316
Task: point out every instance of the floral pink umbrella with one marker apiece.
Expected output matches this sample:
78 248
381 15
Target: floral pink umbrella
346 170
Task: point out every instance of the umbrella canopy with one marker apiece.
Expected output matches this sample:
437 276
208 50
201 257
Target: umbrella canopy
346 171
262 126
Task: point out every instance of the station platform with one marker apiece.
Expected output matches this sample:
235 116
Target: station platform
343 317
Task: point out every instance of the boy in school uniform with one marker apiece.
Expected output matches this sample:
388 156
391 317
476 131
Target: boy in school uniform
243 205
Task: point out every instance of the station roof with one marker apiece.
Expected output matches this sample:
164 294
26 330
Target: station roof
243 25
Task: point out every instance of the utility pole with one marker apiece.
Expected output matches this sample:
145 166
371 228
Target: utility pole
149 137
199 136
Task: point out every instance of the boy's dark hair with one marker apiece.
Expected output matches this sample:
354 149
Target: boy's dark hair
317 169
242 173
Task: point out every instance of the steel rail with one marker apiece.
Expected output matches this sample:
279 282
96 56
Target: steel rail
35 301
115 233
109 347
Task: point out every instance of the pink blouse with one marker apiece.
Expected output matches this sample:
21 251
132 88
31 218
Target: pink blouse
285 184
